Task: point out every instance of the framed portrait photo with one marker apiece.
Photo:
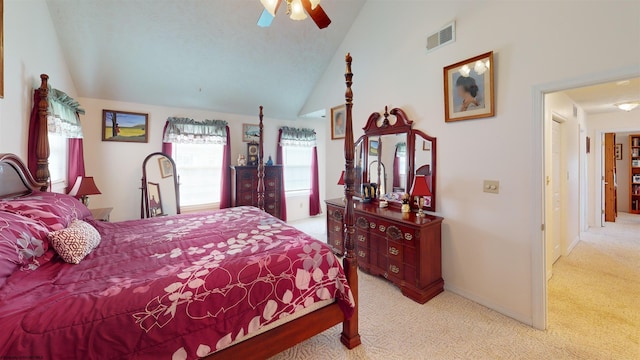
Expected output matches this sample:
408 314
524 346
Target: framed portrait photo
250 132
125 126
468 89
166 168
338 120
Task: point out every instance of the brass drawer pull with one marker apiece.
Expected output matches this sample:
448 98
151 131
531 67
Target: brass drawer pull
394 251
336 228
362 238
408 236
362 253
372 225
338 242
394 269
382 228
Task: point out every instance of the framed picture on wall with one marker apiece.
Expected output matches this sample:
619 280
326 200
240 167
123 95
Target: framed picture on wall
166 168
155 201
338 120
618 151
468 89
250 132
125 126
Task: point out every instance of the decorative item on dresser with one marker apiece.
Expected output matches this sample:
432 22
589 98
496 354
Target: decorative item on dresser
634 162
252 153
244 188
83 187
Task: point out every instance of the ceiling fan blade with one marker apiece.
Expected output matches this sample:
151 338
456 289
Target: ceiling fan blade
265 19
317 15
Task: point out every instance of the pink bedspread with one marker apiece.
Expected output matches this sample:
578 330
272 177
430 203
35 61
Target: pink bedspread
169 288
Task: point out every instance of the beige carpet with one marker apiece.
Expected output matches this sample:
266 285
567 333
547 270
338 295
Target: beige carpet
594 313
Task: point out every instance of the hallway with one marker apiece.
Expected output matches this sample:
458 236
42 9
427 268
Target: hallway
595 290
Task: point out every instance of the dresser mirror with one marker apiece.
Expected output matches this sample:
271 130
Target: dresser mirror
160 193
393 153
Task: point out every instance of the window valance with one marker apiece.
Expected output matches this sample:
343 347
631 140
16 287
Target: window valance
63 116
189 131
299 137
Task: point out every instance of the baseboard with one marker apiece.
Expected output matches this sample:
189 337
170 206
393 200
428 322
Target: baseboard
527 320
573 244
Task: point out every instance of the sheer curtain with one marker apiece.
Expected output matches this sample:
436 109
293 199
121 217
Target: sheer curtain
304 138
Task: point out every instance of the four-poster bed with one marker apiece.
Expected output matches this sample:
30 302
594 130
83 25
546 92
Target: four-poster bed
321 312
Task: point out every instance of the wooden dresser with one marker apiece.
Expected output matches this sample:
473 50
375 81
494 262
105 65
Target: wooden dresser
244 187
403 248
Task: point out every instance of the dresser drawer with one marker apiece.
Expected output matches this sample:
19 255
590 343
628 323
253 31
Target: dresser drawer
271 196
363 254
335 215
394 251
247 186
245 198
395 269
362 239
272 184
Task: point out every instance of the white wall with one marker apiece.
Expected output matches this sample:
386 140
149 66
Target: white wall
598 124
623 171
30 49
487 238
117 166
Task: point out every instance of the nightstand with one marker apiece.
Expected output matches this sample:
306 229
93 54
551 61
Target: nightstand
101 214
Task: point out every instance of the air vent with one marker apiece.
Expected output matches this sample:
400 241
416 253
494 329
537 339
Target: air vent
444 36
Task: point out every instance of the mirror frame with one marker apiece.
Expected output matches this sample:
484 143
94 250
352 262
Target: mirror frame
144 201
402 125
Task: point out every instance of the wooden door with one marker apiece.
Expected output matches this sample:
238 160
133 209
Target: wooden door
556 188
610 196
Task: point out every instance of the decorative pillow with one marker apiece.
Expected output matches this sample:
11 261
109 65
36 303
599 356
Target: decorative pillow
22 244
54 210
75 242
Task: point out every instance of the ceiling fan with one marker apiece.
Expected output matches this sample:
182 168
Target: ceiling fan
296 11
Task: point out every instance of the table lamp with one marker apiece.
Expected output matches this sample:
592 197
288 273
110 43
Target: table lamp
420 189
83 187
341 182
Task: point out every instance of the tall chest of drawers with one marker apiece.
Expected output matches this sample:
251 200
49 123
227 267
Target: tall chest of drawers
244 187
403 248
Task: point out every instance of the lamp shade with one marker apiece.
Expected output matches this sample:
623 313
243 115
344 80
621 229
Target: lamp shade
271 6
420 186
84 186
341 181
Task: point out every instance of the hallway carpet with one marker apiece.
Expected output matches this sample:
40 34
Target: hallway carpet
594 313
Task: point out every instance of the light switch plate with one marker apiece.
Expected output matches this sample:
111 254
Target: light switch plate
491 186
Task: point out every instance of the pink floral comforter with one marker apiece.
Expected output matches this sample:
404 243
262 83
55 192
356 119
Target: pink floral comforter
175 287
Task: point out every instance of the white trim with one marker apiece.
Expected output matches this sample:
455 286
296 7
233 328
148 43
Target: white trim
538 261
523 318
200 207
573 244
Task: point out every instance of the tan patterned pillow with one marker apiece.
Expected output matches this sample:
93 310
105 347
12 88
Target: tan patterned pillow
75 242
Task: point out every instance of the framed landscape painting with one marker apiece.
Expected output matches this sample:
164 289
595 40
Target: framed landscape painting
125 126
468 89
250 132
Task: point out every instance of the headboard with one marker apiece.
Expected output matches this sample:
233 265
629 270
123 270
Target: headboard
15 178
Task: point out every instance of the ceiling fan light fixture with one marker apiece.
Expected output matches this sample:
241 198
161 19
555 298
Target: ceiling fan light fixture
297 10
270 6
314 3
628 106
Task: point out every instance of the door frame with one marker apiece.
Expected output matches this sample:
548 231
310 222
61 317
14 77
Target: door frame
538 192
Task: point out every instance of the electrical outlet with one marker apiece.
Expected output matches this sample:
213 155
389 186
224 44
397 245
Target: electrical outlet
491 186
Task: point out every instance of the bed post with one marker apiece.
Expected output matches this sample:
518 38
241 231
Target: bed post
261 166
42 142
350 336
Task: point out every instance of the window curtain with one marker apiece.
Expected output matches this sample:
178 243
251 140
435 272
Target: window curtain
189 131
225 186
301 137
63 119
280 161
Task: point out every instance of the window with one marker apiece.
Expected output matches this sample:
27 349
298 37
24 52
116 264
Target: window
58 158
199 167
297 168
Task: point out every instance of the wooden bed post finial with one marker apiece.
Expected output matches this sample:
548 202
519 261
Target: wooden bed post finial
42 143
350 336
261 165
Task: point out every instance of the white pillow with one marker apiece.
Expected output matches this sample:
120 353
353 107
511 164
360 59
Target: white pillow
75 242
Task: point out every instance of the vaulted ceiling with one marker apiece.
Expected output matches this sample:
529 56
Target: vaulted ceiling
206 54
